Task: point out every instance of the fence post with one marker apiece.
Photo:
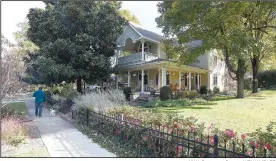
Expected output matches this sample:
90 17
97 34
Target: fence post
121 127
216 140
87 117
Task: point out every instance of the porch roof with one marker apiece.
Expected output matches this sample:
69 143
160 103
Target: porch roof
158 63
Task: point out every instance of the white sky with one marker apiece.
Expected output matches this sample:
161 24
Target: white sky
13 12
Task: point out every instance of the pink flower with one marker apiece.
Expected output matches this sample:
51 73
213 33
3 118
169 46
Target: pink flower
176 125
243 136
210 126
267 146
249 153
193 128
118 132
197 140
230 133
203 154
212 140
257 145
170 131
252 143
145 138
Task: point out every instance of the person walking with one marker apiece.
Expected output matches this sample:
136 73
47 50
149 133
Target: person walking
40 98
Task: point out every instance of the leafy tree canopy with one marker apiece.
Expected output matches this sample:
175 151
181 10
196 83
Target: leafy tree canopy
76 40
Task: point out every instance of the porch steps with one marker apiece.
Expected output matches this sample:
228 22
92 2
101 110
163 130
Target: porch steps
141 100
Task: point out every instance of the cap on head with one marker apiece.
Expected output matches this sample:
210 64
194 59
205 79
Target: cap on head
40 88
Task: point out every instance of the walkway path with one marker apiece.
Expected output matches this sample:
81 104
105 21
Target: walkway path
62 139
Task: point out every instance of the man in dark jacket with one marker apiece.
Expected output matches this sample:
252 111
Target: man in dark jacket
40 98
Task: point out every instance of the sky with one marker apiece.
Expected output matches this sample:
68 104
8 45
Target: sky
13 12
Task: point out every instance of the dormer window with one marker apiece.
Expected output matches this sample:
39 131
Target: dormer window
146 47
215 60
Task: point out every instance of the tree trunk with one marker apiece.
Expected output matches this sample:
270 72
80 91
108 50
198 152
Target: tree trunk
79 87
255 68
240 78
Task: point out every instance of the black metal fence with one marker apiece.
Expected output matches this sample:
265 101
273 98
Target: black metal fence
157 141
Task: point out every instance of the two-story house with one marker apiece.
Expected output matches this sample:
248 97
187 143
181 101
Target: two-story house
142 64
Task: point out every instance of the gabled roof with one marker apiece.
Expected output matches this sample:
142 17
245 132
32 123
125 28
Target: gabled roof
146 33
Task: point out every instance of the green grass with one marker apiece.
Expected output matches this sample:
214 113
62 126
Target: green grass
243 115
19 107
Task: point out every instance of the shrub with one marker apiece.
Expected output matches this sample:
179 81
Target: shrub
179 95
127 92
6 112
267 79
13 131
191 94
203 90
165 93
216 90
209 91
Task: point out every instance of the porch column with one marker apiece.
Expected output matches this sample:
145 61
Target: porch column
142 81
159 78
198 75
208 81
164 74
190 81
143 53
117 57
128 78
179 81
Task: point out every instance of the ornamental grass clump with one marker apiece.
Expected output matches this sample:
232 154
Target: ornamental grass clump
101 101
13 131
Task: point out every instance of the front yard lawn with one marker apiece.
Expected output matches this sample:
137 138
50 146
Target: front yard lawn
243 115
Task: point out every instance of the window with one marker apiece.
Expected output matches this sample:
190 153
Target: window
168 78
215 60
215 80
197 75
146 47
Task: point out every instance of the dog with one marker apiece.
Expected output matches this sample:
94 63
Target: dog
52 112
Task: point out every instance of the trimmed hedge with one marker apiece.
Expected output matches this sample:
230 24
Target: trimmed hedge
165 93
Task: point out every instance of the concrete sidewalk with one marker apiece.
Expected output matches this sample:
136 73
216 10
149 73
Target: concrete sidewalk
62 139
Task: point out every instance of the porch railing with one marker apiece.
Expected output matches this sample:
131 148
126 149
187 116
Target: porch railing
136 57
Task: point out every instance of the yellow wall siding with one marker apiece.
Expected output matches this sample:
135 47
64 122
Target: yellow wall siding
152 76
174 77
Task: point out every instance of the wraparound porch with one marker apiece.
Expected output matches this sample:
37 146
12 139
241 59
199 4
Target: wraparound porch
154 76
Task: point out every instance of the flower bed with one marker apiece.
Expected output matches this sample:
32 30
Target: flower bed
173 136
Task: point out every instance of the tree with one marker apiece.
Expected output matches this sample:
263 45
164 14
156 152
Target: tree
217 24
128 16
9 80
260 25
76 41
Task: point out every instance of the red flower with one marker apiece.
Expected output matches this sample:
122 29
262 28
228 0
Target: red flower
179 148
267 146
243 136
